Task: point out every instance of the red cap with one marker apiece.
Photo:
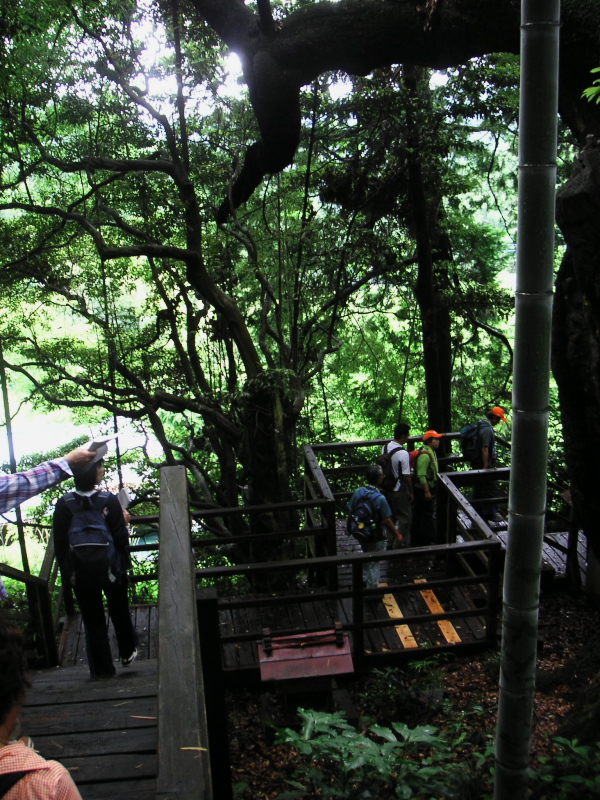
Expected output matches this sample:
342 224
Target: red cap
432 435
498 411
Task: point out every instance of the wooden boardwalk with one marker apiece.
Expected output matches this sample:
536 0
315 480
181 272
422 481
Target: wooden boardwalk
72 651
104 732
317 610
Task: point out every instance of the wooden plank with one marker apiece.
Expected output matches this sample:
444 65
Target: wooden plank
408 606
93 716
182 712
375 641
230 651
141 616
404 632
101 743
79 688
246 621
72 649
140 789
81 673
153 633
462 601
92 769
447 628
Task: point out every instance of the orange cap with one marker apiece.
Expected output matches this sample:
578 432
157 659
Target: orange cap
498 411
432 435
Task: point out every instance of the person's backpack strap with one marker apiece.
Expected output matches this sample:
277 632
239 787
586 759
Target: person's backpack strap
71 500
99 500
10 779
385 461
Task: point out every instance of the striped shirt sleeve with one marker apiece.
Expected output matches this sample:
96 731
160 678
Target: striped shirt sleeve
21 486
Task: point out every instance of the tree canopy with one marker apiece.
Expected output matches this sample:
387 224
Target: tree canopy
148 269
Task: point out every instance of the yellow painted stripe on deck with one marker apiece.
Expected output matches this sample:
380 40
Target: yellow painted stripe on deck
403 631
433 604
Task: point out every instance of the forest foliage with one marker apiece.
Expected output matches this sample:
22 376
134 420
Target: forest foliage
301 319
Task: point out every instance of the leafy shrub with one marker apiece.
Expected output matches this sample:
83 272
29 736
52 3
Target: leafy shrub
393 692
570 772
336 761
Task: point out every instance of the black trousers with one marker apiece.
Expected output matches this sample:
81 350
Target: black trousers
423 524
91 603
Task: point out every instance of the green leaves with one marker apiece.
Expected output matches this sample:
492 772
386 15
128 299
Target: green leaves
593 92
336 760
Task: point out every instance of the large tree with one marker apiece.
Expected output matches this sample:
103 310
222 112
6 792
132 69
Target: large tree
108 181
280 52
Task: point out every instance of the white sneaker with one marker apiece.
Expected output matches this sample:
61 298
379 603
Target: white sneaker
130 659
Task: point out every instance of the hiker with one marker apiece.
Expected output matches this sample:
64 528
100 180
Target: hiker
484 456
91 541
21 486
369 508
24 775
399 490
425 476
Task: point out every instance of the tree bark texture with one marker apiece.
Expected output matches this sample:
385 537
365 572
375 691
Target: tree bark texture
433 308
576 336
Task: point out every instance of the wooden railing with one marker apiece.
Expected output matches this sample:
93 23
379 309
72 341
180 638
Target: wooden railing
184 754
450 555
451 501
334 470
39 615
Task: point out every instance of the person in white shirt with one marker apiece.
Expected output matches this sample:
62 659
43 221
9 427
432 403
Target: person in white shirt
401 497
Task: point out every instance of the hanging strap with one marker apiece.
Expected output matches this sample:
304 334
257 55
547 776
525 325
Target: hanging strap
9 779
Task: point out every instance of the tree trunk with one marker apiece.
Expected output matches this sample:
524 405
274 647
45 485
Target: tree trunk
267 443
576 337
433 308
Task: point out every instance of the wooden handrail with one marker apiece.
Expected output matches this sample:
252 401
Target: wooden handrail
346 558
40 612
183 748
488 581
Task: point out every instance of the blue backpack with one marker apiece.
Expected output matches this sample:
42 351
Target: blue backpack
91 544
362 523
470 440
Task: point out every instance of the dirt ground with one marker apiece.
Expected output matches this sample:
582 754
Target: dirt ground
568 662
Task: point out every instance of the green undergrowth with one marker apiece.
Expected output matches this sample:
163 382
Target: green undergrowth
396 753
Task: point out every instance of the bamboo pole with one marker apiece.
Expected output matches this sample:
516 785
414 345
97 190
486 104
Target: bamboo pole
527 497
11 456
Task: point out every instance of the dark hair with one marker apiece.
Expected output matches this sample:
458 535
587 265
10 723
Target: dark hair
490 414
85 477
401 430
13 681
373 472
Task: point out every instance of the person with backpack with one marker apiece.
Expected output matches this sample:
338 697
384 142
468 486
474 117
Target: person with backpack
369 511
91 541
478 444
397 482
425 476
24 775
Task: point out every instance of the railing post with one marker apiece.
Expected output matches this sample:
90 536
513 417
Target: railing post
441 515
330 523
494 557
40 606
183 748
212 671
358 615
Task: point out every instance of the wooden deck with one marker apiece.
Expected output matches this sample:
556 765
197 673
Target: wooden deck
554 548
318 609
104 732
72 651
